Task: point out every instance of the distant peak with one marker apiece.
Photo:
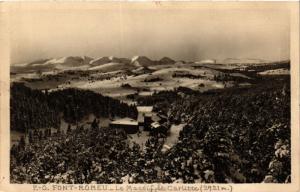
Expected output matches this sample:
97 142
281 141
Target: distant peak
244 60
140 58
134 58
207 61
166 60
100 61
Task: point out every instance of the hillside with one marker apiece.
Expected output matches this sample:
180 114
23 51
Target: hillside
33 109
106 75
232 135
244 134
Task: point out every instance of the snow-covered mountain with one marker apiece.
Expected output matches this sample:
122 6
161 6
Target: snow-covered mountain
107 64
242 61
45 65
166 60
100 61
206 61
119 60
70 61
142 61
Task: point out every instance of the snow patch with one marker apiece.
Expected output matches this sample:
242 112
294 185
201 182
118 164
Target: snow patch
275 72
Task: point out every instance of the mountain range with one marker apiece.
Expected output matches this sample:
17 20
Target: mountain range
88 63
85 63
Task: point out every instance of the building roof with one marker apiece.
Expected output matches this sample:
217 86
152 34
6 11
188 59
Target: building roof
125 121
144 109
155 125
148 115
155 117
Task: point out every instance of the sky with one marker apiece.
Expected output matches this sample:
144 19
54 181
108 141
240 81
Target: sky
190 32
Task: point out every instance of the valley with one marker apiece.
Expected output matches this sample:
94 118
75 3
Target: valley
185 122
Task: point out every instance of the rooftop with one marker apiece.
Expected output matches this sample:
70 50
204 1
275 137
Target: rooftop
144 109
155 125
125 121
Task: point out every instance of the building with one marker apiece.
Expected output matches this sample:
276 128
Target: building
145 114
147 122
129 125
143 110
156 127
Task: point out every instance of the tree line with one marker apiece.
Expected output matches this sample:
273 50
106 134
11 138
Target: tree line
34 109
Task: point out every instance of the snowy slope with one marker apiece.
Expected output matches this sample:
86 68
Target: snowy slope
99 61
142 61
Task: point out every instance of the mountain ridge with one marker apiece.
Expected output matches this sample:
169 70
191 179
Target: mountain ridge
87 63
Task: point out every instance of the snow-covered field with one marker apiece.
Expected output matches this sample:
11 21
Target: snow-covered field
119 84
173 136
275 72
120 77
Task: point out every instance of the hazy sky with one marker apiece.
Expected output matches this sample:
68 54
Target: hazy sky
180 32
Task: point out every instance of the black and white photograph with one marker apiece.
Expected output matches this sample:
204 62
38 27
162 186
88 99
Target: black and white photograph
143 93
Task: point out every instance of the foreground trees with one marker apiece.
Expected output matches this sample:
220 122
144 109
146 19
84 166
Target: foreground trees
233 135
244 133
30 109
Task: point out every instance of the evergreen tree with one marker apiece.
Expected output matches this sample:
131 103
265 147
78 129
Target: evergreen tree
69 129
30 138
95 124
40 135
22 143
